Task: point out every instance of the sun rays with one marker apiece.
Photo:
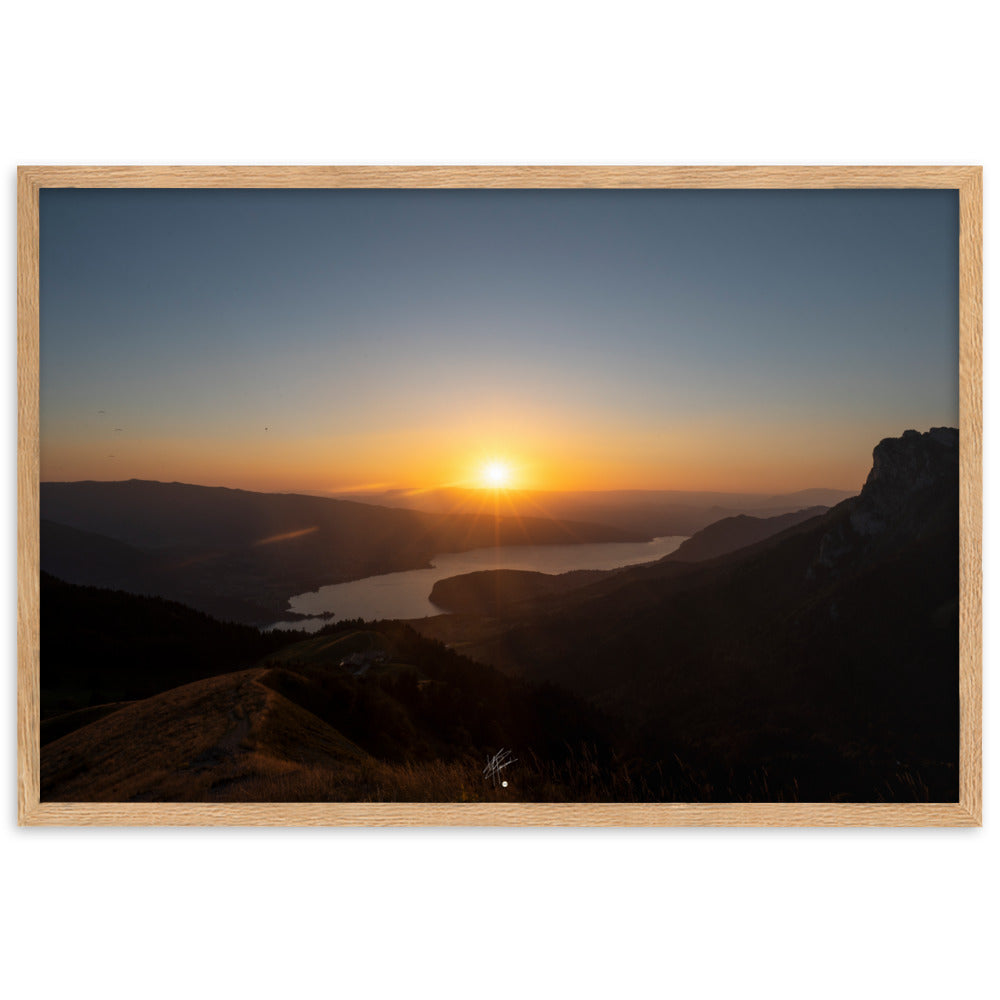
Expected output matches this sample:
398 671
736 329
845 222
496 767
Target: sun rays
496 474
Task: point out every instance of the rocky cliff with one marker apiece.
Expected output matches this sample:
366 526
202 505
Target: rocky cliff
910 493
908 474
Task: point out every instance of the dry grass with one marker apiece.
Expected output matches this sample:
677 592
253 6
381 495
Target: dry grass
234 739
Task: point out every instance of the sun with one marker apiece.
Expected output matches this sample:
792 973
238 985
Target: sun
495 474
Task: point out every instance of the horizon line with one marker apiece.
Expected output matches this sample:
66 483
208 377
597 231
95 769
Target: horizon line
404 491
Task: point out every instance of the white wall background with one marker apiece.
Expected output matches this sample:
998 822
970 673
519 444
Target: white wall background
287 913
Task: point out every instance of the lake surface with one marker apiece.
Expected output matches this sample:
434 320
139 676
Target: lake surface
405 595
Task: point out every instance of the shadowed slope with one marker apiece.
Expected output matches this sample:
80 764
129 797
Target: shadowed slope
733 533
100 646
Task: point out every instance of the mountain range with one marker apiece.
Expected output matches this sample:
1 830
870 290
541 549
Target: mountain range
810 659
648 512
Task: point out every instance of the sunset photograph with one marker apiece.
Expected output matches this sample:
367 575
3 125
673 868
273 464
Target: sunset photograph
512 495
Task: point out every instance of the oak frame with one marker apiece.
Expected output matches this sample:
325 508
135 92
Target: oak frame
966 812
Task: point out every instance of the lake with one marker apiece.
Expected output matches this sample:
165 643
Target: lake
405 595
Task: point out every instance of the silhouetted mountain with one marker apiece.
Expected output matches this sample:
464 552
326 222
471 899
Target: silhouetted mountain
648 512
241 555
732 533
821 662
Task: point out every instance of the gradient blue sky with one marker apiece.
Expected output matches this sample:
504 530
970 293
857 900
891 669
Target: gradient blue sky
758 340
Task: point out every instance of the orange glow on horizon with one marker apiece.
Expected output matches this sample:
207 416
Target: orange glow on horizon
584 455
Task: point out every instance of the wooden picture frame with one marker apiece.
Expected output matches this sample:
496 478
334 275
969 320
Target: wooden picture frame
967 180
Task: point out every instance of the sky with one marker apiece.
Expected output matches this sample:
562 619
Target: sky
361 340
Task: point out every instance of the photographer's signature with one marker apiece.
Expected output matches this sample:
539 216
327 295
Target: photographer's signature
495 767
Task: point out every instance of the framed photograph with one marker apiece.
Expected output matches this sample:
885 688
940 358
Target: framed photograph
500 495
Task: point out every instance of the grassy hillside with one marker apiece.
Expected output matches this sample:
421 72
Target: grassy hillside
405 719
